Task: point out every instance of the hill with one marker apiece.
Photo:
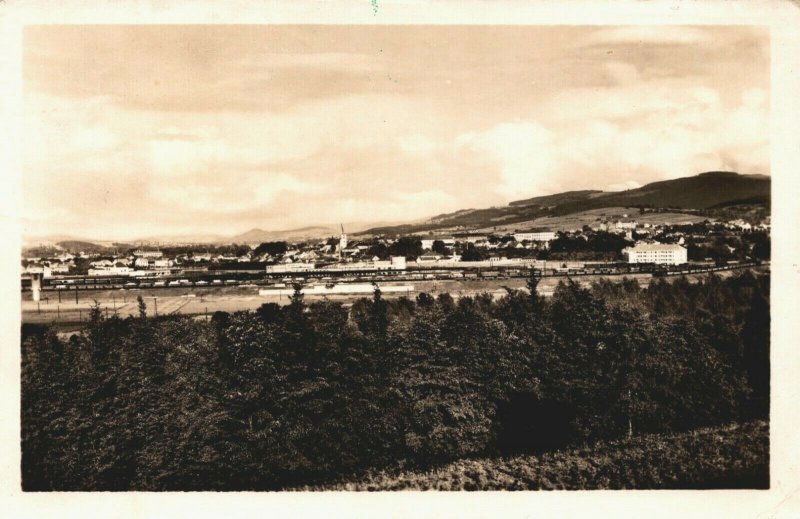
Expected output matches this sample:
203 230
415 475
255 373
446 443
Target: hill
698 192
713 189
76 246
257 236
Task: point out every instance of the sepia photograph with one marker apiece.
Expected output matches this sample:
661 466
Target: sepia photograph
308 258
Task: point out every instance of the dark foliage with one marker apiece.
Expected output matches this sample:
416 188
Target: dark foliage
271 247
308 393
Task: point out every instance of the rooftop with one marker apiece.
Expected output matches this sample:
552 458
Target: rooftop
656 247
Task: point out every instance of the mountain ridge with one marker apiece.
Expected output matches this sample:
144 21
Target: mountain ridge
703 191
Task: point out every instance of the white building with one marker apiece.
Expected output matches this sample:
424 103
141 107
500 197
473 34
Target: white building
148 253
39 269
342 242
110 271
429 258
624 226
394 263
658 253
290 267
59 268
474 239
544 236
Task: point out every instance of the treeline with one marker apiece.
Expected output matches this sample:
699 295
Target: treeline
594 246
309 393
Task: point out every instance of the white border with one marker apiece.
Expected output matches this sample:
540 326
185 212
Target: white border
781 501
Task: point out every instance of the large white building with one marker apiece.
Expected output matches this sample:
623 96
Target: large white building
545 236
111 271
394 263
658 253
290 267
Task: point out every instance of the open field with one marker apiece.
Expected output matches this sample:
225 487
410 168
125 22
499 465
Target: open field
733 456
592 216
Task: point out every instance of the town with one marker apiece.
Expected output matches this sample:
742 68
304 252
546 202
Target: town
611 247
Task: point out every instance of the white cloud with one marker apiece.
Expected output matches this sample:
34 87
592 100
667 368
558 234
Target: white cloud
415 152
623 73
524 151
645 131
246 193
416 144
659 34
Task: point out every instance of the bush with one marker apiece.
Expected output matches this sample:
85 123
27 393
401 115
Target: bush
734 456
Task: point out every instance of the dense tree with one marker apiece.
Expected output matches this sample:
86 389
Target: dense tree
272 248
306 393
439 247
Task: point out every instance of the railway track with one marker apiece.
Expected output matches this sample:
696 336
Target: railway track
67 285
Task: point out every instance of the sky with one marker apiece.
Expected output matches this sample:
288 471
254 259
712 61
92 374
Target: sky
136 131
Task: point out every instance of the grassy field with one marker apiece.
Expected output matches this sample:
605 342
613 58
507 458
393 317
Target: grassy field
732 456
592 216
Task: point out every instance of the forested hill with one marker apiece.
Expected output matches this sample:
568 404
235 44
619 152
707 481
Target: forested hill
704 191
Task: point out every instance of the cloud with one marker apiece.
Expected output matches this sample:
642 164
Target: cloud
417 144
658 34
249 193
607 142
219 130
623 73
523 151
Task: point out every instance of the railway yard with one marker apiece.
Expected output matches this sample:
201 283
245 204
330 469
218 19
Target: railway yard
66 302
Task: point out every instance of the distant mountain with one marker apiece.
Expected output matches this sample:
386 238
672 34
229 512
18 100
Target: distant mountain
49 240
76 246
256 236
252 237
713 189
179 238
698 192
316 232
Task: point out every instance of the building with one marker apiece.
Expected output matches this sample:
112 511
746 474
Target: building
542 236
658 253
342 242
624 226
394 263
59 268
148 253
290 267
429 258
110 271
